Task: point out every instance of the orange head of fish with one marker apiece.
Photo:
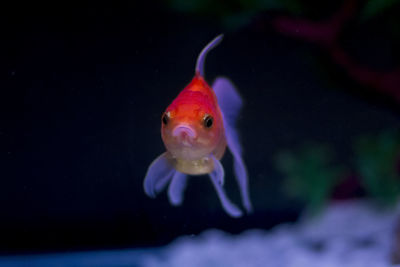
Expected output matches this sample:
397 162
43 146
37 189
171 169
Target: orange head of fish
192 124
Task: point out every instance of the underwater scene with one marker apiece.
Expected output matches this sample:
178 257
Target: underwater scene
200 133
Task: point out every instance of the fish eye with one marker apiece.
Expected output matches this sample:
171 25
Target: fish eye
165 118
208 121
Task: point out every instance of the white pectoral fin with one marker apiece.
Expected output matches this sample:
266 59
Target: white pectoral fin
217 175
158 175
230 103
176 188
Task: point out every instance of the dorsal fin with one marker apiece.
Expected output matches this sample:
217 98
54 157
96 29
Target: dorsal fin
201 58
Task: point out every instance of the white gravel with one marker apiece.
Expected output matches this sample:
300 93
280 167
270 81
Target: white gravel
345 234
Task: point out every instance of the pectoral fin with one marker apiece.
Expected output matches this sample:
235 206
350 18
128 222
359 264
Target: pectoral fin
176 188
230 103
217 175
158 175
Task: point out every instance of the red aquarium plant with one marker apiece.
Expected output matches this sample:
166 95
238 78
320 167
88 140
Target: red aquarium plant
326 33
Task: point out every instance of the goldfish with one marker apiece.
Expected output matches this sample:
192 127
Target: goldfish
196 129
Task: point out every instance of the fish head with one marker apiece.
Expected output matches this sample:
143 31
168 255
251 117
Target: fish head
191 131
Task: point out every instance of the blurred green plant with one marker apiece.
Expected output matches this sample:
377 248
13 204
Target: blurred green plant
310 174
373 8
377 161
233 14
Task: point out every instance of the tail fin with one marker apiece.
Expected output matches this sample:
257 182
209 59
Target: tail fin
201 58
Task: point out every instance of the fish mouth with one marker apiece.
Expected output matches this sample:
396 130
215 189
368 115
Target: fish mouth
185 134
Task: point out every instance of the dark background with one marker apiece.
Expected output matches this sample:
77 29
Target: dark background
82 91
